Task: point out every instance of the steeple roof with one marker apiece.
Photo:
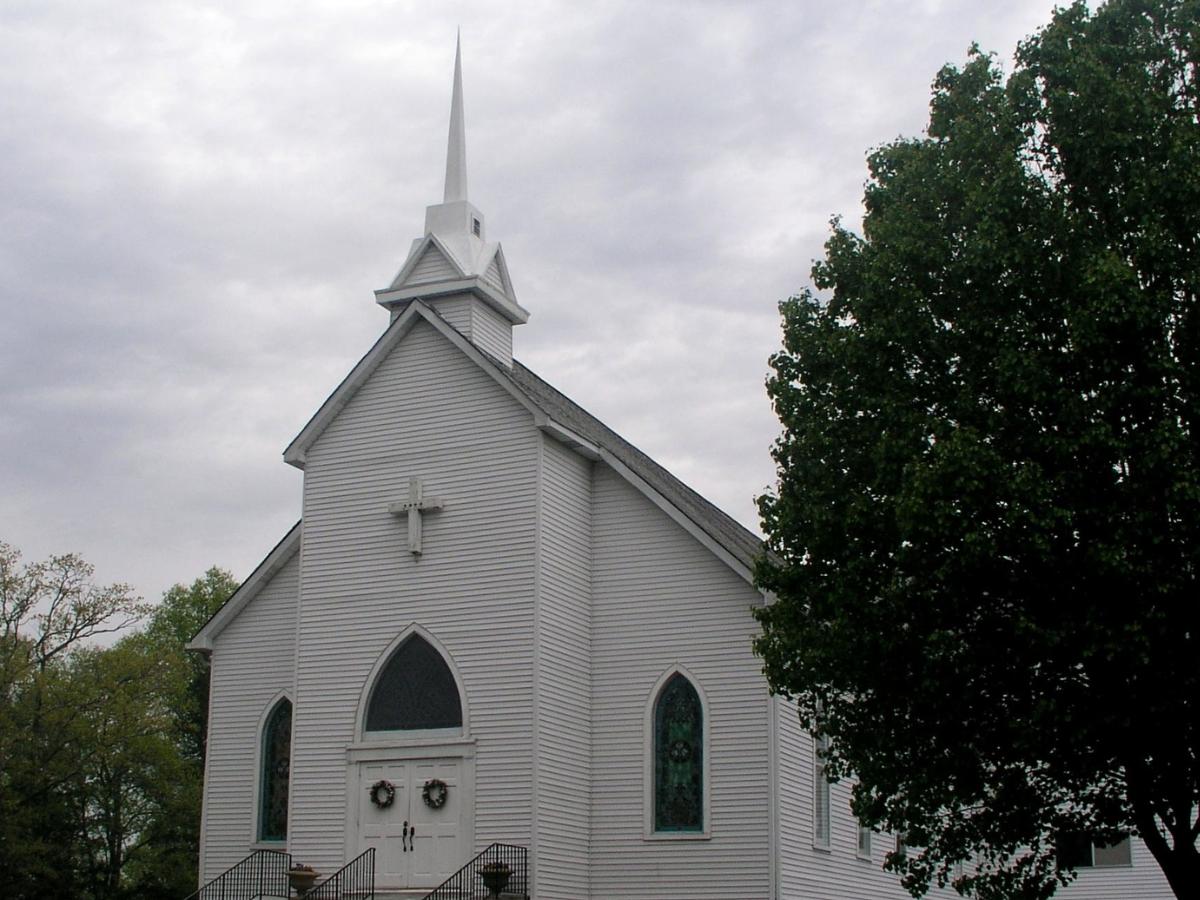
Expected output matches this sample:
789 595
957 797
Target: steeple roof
454 257
456 145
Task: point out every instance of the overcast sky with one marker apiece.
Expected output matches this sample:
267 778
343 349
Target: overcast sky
198 199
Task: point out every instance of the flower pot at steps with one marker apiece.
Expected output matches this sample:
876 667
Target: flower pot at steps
495 877
302 880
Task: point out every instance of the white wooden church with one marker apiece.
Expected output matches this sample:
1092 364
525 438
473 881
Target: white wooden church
500 623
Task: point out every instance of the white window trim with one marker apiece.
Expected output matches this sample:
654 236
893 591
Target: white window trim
820 783
399 738
256 841
861 852
648 832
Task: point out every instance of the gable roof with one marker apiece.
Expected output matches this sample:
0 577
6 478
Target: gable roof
279 556
739 541
554 413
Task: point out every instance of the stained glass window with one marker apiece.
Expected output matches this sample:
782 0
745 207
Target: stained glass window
276 760
415 690
678 757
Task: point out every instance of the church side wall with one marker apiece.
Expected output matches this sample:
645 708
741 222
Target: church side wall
661 599
426 412
253 661
804 870
563 738
807 872
1142 880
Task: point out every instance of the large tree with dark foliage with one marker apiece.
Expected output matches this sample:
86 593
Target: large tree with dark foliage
986 529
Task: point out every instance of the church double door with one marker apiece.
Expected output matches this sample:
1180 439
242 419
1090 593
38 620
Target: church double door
412 821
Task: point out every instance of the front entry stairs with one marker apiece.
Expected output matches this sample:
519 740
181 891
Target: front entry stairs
264 874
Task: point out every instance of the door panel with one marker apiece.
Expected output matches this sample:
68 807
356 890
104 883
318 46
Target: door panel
415 845
436 853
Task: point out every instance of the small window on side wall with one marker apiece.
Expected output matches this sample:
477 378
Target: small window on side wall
678 794
275 773
821 805
1077 851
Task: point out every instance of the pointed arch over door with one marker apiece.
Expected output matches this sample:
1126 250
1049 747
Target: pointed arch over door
414 689
275 772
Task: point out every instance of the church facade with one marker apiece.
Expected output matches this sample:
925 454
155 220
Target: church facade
498 621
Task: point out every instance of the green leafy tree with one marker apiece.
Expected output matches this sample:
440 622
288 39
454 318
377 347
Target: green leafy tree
986 527
168 869
49 611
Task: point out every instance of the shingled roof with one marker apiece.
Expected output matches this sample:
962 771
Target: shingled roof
742 543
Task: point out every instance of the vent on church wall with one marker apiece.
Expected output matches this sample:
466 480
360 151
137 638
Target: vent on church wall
432 266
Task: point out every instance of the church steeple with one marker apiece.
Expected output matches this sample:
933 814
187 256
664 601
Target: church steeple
456 144
453 267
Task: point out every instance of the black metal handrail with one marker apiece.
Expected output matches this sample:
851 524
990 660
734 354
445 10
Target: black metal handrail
355 879
261 874
479 878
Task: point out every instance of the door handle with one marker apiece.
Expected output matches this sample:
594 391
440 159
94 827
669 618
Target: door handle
404 839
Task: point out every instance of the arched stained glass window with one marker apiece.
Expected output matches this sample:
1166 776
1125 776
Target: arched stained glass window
415 690
678 757
276 762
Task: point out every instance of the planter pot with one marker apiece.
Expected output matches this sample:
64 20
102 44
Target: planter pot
301 882
495 878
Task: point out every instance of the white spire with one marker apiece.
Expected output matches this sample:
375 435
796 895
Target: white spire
454 266
456 146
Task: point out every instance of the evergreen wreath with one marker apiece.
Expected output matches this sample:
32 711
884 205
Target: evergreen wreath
435 793
383 793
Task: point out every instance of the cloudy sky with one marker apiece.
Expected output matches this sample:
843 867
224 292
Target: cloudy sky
197 200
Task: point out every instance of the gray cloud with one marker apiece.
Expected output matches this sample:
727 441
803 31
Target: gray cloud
197 200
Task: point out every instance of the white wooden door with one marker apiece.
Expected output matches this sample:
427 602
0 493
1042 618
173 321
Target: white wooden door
415 844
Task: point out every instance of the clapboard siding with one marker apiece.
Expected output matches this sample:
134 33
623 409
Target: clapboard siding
491 332
426 412
809 873
433 266
659 599
456 310
253 661
563 737
1142 880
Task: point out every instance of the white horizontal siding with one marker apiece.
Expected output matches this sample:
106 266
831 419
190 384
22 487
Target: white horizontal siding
660 598
491 332
563 675
492 275
253 660
809 873
431 413
432 266
455 309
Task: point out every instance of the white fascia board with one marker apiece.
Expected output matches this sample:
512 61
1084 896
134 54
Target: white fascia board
247 590
566 436
502 264
418 250
507 307
297 450
677 515
450 333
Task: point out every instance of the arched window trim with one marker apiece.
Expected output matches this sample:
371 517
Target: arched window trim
410 736
256 823
648 832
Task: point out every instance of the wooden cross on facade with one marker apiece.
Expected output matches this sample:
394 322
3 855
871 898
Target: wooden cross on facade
416 504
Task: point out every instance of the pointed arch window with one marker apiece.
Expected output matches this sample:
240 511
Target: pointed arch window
415 691
275 773
678 757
